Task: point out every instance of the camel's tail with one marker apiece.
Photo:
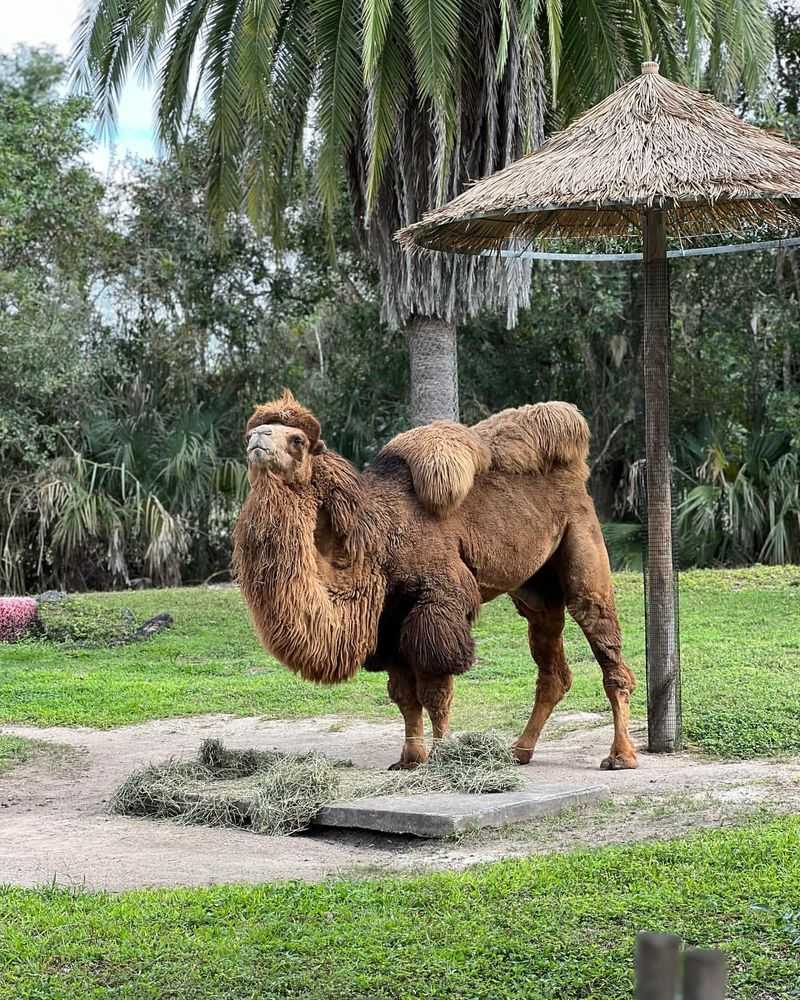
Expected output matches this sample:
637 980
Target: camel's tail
537 438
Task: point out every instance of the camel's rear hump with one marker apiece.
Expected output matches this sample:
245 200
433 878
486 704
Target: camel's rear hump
536 438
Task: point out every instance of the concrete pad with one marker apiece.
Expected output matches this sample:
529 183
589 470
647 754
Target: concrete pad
441 814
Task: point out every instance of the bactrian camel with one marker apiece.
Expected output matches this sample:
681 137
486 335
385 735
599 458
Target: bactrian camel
386 569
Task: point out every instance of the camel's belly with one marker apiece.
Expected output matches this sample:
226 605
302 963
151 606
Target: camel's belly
510 535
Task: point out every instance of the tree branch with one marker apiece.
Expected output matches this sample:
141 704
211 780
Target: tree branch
604 451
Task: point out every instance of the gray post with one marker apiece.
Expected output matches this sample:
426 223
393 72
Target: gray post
705 975
663 696
657 966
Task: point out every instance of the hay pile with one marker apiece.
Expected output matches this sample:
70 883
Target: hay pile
276 793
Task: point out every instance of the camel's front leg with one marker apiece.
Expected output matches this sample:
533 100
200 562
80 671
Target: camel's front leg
436 695
436 641
403 692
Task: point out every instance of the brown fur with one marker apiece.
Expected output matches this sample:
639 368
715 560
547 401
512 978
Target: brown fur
315 596
537 438
386 569
444 458
289 412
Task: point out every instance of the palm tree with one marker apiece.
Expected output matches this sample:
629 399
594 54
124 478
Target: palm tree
411 99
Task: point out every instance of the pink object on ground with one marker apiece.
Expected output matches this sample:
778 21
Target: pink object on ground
17 614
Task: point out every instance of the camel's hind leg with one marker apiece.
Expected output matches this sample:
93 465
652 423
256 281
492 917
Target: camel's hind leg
403 692
582 566
545 637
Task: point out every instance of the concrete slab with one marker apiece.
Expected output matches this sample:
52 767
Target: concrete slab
441 814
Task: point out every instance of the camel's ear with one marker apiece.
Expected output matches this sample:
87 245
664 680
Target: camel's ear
319 448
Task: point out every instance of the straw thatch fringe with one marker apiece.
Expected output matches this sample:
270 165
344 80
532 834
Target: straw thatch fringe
652 143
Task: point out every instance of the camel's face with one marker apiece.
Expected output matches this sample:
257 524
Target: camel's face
283 451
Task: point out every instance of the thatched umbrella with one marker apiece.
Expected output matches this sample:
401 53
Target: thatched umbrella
651 160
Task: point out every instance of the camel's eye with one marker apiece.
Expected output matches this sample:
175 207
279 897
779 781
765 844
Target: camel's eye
297 441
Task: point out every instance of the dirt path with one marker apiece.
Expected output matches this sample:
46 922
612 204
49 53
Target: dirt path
54 823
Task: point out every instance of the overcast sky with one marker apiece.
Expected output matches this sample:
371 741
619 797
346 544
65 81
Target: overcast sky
51 22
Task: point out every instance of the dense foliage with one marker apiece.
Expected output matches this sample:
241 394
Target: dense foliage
134 339
411 101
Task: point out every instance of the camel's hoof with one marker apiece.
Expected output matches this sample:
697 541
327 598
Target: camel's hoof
618 762
402 765
522 754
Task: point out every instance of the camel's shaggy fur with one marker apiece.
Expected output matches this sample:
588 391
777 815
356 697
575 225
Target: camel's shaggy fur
443 458
536 439
290 413
387 569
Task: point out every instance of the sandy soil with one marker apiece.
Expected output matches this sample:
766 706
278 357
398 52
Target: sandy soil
54 823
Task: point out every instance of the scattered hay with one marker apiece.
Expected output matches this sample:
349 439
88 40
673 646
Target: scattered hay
291 793
284 793
276 793
476 763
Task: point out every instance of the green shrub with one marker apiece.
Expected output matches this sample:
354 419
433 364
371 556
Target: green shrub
85 622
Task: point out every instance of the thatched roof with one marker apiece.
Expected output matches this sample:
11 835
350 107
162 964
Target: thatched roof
652 143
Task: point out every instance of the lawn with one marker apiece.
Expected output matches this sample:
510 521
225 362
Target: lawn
547 928
740 648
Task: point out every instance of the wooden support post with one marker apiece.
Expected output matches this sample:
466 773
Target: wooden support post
663 695
705 975
657 966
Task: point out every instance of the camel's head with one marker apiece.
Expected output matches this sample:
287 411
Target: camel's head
282 436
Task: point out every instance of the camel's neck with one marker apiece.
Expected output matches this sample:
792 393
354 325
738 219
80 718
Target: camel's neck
305 558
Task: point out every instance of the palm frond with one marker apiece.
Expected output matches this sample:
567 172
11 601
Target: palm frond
434 27
277 150
741 45
387 79
224 93
698 16
339 90
108 40
376 16
555 34
173 86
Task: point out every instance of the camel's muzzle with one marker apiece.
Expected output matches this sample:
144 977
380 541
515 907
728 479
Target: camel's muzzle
261 448
268 448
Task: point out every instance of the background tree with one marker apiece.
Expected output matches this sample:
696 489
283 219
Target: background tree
412 99
50 224
130 359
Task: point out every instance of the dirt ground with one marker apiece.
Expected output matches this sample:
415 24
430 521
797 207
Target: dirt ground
55 825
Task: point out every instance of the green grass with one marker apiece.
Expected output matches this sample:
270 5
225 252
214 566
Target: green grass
740 647
557 928
13 751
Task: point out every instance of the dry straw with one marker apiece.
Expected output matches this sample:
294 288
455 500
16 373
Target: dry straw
276 793
652 143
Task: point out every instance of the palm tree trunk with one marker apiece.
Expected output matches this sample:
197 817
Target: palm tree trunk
433 349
